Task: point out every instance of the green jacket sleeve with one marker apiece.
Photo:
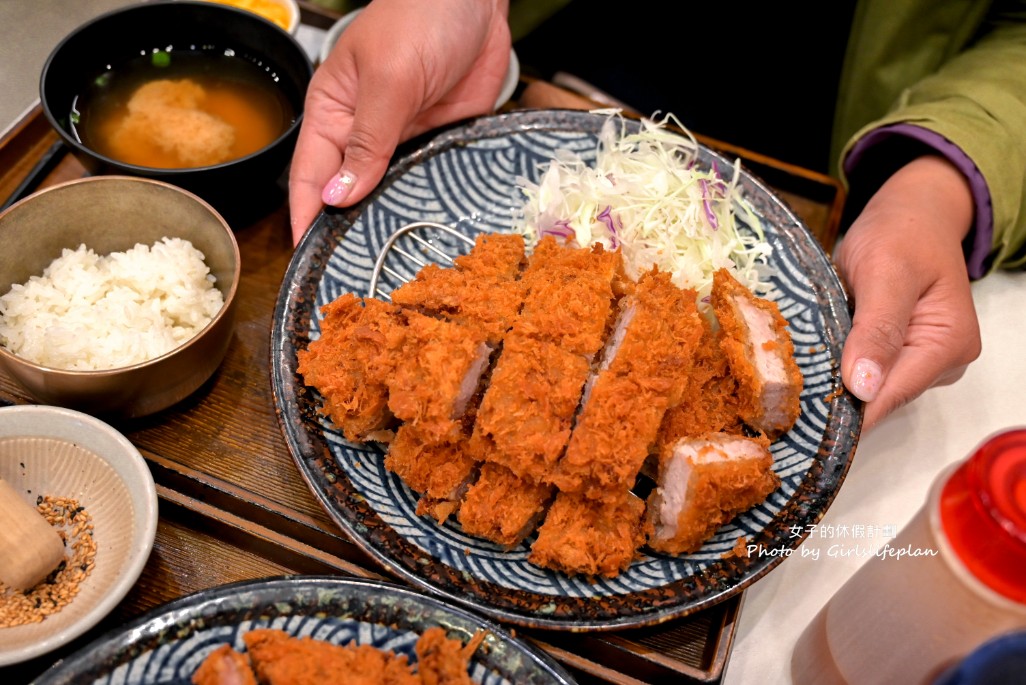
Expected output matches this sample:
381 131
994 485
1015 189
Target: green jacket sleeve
968 86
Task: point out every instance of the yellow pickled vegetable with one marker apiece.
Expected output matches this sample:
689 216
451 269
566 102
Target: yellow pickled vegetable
268 9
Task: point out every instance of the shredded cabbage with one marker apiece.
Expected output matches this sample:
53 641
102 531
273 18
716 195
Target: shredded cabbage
646 195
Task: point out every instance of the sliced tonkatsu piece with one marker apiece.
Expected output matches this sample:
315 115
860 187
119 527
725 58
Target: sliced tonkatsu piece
437 371
481 289
440 471
280 659
501 507
527 412
572 309
350 363
581 536
703 483
709 402
224 666
442 660
642 373
478 298
760 354
570 296
497 255
550 254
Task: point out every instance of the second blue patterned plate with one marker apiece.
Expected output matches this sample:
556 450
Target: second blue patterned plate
466 177
168 644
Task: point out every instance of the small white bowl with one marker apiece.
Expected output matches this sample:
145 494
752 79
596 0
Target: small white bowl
509 83
54 451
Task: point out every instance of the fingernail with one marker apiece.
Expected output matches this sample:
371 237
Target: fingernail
338 188
867 378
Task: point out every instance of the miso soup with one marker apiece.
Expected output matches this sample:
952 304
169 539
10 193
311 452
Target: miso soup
174 110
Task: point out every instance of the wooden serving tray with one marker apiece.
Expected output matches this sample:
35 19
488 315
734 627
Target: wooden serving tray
233 505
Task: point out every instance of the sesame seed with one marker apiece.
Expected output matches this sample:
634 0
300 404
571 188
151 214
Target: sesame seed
75 526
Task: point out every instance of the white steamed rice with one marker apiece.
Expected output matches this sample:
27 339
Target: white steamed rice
89 312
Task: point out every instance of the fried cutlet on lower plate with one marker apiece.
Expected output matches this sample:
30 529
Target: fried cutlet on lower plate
273 657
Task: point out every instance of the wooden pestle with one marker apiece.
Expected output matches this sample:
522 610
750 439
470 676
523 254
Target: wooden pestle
30 548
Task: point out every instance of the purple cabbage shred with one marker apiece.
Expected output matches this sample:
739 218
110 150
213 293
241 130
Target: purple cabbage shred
709 213
606 217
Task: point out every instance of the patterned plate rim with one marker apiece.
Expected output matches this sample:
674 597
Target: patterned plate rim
295 406
287 598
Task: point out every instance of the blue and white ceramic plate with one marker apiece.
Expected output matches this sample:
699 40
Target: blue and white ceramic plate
167 645
466 177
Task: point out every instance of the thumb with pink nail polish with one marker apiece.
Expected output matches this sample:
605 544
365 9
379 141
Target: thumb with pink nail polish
338 188
866 378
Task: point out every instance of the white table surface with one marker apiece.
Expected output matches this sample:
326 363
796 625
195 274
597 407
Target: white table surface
894 465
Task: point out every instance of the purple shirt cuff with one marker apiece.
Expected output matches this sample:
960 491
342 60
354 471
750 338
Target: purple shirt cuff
983 230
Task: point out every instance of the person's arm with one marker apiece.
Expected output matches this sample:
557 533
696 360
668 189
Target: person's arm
939 188
972 111
914 323
401 68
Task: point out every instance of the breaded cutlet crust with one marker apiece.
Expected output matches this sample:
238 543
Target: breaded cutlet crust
709 401
620 419
501 507
483 290
715 493
351 361
273 657
581 536
441 470
527 412
280 659
770 407
434 361
223 666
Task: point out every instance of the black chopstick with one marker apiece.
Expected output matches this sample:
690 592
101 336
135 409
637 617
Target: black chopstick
44 166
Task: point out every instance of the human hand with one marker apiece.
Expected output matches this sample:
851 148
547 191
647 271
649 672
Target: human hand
401 68
914 324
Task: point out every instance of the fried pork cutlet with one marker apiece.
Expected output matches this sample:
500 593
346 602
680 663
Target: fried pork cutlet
709 402
280 659
442 660
580 536
703 483
351 361
481 290
642 374
527 412
481 293
502 507
439 471
760 354
436 374
570 296
571 309
494 255
224 666
276 658
549 254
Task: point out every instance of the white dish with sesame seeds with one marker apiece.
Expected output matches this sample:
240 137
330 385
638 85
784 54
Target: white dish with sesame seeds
94 486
